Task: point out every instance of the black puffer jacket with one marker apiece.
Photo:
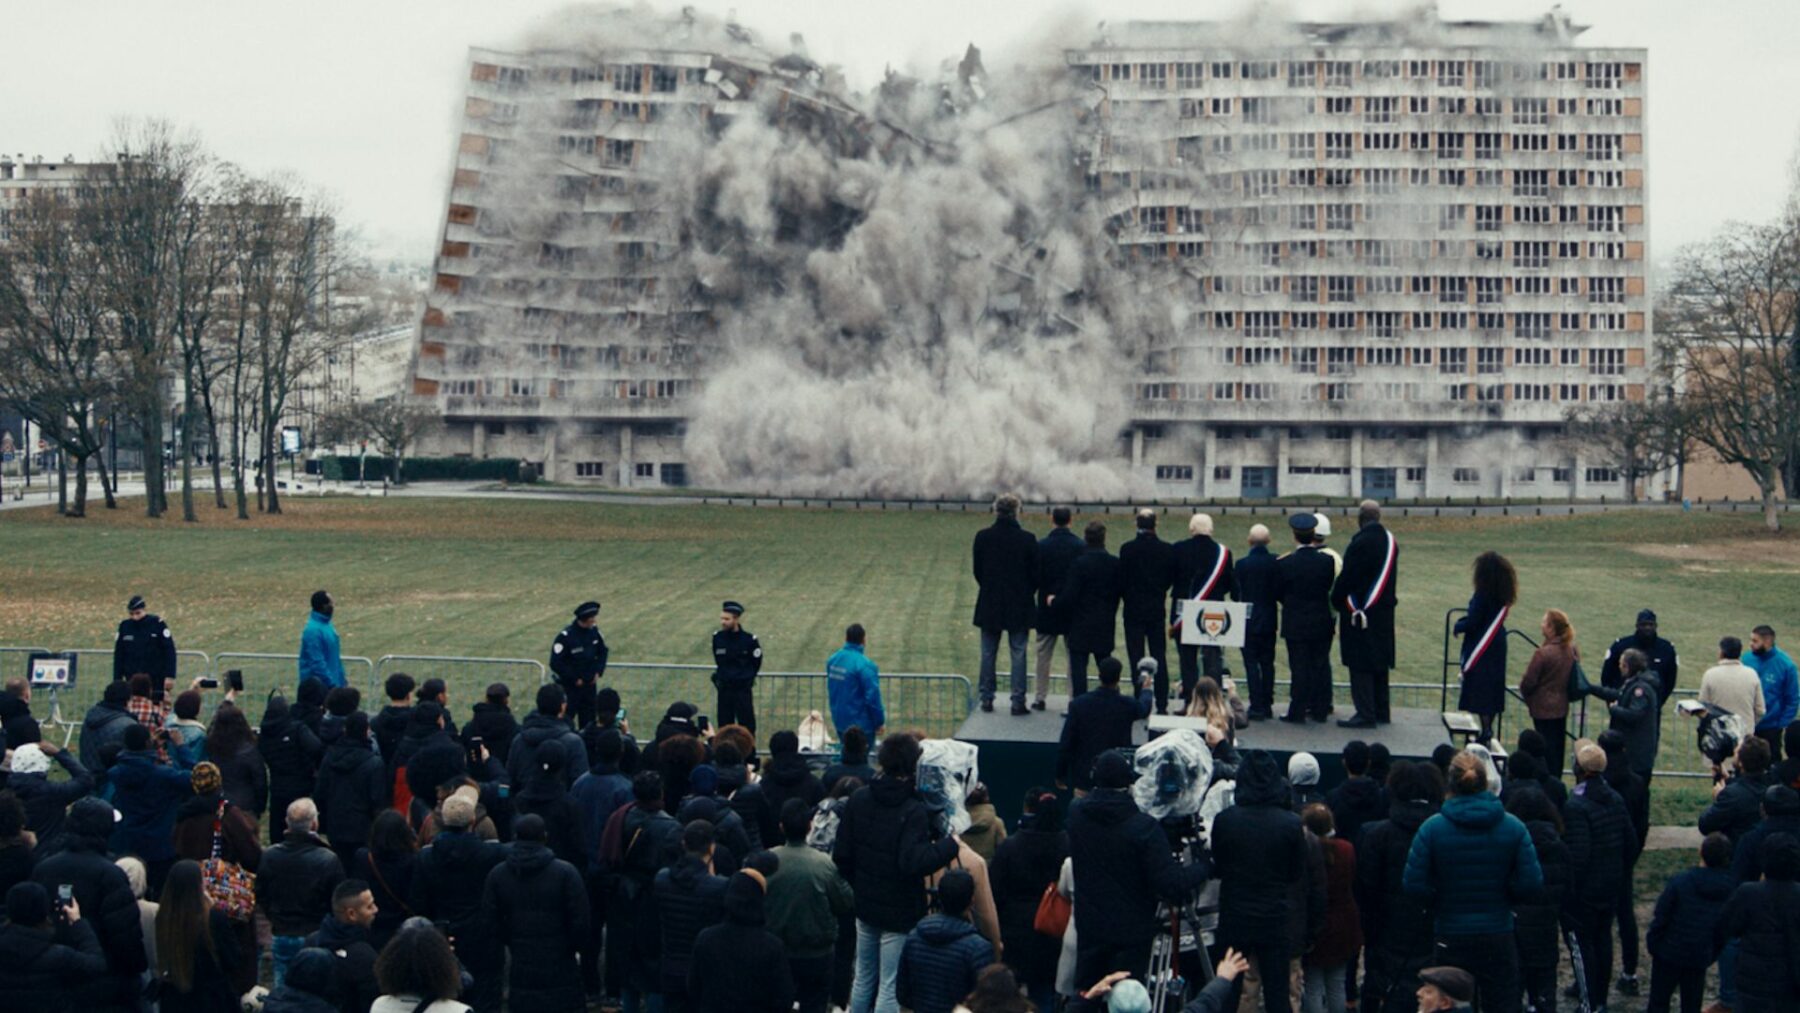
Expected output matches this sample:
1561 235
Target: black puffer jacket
1023 866
788 777
1746 858
538 908
739 966
1683 928
443 881
1736 808
1600 838
103 726
350 790
307 988
1537 921
1259 852
940 962
1635 794
761 823
49 973
1123 866
688 898
353 982
107 905
291 751
1397 926
388 727
547 795
294 883
47 802
884 848
1764 918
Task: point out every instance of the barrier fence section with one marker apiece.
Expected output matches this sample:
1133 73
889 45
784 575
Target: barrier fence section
938 703
265 673
467 679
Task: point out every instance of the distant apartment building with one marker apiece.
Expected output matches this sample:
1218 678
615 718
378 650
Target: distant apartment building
1410 247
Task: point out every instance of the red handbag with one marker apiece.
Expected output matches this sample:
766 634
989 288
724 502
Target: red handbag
1053 913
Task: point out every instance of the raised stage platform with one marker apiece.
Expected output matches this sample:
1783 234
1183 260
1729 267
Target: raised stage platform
1018 753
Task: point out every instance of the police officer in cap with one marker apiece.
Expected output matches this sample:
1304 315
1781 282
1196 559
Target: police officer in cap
144 645
1659 652
578 657
1304 579
737 655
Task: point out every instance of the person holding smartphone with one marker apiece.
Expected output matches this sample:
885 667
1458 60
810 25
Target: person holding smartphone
49 957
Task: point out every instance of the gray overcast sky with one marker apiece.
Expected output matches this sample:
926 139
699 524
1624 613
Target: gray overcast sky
361 97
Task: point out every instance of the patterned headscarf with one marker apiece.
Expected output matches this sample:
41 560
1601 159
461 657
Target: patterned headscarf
207 778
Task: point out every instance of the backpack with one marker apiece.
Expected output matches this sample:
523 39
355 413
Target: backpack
823 835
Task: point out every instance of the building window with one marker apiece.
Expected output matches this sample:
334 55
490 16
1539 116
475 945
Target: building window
1454 360
644 470
1415 474
1341 288
1221 472
1602 475
1489 360
1606 361
1305 360
674 474
1174 473
1465 476
590 469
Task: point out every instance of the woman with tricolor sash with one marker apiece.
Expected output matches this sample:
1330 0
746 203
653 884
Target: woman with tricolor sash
1483 631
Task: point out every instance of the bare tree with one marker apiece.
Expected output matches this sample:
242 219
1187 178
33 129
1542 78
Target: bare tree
1734 309
201 261
393 423
52 340
1640 438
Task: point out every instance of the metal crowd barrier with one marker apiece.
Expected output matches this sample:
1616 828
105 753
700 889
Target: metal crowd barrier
466 678
936 703
267 672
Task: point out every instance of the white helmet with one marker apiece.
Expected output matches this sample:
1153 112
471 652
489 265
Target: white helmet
1323 530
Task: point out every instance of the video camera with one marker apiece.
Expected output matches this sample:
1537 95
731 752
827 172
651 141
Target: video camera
1720 732
947 770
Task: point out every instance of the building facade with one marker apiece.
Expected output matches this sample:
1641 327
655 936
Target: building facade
1412 248
1407 248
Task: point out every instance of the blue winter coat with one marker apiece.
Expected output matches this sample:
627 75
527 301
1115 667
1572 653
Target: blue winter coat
148 794
940 962
1474 860
319 652
854 684
1681 930
1781 688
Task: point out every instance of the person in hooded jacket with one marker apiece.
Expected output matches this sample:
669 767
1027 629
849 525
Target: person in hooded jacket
105 724
786 775
455 858
1737 802
944 953
1024 865
603 789
646 840
1360 799
737 786
853 761
350 789
546 794
307 987
1474 861
687 897
548 722
1259 851
309 705
986 831
538 909
1635 792
885 848
46 802
1397 941
340 703
1525 771
1122 869
345 934
703 803
1335 946
1682 931
148 793
107 903
493 722
1764 919
1303 781
1537 919
427 755
390 723
195 825
1598 831
47 957
291 752
739 966
1637 714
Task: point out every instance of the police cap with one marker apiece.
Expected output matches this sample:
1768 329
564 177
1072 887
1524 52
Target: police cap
587 610
732 607
1303 522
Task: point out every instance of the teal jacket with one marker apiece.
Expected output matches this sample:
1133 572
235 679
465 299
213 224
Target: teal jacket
1474 861
319 652
854 685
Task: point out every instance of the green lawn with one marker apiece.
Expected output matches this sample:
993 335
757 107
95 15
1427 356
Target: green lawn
498 578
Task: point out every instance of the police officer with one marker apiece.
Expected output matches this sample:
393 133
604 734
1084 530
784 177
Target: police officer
578 657
737 657
1304 577
144 645
1659 652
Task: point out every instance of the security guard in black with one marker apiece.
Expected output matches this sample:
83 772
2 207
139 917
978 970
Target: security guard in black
737 657
144 644
578 657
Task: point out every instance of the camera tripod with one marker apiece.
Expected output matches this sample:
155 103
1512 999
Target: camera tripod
1178 929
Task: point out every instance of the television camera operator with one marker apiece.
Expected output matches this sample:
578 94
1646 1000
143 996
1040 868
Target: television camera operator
1123 867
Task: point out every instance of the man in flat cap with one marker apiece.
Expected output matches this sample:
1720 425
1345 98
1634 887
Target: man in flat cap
578 657
144 644
737 657
1305 576
1446 989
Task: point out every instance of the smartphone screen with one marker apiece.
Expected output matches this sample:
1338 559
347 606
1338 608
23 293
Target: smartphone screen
235 679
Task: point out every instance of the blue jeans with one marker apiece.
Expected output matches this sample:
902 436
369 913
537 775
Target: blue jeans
990 651
877 969
282 951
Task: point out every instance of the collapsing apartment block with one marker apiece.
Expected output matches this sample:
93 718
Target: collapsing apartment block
1393 255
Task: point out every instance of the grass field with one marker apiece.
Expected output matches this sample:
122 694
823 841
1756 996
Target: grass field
498 578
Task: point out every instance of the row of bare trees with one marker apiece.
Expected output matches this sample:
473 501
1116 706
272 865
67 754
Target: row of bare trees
172 276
